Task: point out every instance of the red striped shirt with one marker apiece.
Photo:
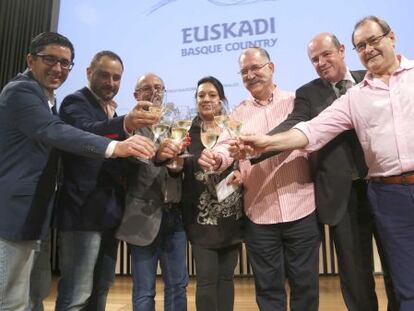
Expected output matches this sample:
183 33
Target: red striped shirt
278 189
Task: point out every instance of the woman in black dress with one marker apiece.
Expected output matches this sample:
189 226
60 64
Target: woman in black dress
213 228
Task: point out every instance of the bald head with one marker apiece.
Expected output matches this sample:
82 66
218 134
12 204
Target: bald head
327 56
149 87
327 38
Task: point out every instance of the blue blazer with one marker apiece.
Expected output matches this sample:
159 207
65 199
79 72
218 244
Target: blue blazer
28 133
92 194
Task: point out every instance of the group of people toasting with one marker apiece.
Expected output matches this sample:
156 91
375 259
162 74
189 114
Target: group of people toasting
270 173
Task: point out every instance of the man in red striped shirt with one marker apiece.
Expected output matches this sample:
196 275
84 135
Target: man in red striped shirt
282 235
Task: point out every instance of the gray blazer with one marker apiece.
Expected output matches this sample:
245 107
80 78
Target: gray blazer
150 191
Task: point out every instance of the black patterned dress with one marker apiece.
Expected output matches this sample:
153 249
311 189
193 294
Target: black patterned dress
208 223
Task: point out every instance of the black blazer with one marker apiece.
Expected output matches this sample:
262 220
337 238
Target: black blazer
92 193
332 166
28 134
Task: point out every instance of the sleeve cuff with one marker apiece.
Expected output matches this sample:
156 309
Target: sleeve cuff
128 134
110 149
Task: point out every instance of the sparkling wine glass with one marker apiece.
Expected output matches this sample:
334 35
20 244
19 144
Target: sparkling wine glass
222 116
185 121
209 133
163 112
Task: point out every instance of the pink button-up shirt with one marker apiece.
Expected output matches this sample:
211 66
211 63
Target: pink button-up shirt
382 116
278 189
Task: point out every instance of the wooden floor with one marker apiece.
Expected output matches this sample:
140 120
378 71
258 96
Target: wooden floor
330 295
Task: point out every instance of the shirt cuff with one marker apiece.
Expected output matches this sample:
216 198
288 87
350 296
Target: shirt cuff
110 149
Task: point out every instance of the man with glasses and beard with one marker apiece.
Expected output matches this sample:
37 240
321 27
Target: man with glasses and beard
92 195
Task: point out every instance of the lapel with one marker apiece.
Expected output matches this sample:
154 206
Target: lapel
27 74
323 96
327 93
93 101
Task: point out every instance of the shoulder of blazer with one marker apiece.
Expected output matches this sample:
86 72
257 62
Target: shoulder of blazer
26 79
86 92
316 83
314 87
83 95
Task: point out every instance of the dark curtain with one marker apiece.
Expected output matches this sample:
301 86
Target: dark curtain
20 21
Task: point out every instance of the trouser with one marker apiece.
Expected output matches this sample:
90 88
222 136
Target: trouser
393 207
286 250
16 260
215 275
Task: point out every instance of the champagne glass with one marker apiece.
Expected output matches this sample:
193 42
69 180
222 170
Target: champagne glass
177 134
221 117
185 121
157 109
234 127
209 133
167 114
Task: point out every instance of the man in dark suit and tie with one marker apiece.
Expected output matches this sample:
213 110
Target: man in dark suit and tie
29 132
91 200
339 169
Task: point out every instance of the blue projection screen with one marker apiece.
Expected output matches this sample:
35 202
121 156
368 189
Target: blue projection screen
184 40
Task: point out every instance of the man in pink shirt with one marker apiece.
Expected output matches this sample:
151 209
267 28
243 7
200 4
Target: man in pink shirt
381 110
282 235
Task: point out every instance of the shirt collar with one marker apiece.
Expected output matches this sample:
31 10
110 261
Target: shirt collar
405 64
100 100
51 98
265 102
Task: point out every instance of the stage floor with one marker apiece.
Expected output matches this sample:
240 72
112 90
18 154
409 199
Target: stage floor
330 295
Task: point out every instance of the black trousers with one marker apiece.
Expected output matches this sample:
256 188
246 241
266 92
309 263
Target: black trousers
215 275
353 244
285 251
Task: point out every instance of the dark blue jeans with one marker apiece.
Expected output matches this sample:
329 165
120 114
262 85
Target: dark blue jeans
393 207
169 248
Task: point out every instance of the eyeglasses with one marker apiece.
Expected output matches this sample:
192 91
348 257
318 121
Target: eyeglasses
148 89
51 60
361 46
253 68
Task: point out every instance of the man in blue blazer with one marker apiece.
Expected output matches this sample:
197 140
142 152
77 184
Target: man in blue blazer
91 199
29 132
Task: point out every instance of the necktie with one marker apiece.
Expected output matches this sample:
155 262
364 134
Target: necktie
342 87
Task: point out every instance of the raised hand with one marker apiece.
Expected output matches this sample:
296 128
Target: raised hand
168 149
255 143
135 146
141 116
